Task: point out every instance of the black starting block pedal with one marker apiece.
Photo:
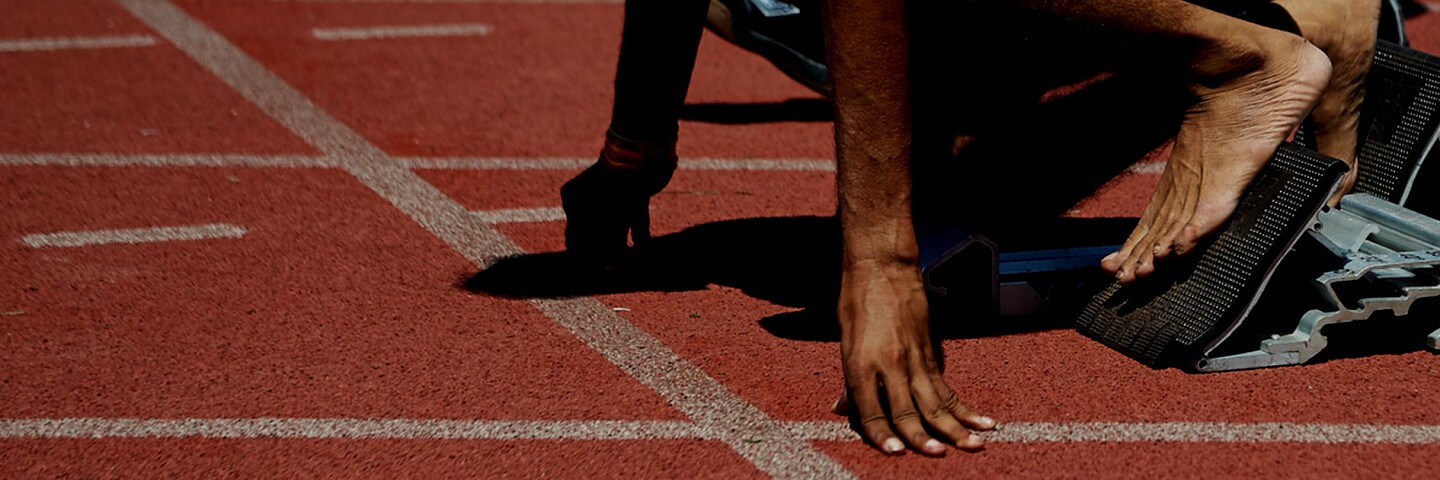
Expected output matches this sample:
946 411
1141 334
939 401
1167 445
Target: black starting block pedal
1186 306
1401 121
1370 256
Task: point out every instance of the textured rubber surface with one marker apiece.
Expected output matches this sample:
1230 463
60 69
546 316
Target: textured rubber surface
1159 316
1401 106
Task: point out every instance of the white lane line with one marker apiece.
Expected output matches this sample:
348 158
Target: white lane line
553 163
1193 432
446 429
521 215
413 31
74 43
1219 433
758 164
756 437
419 163
1151 168
166 160
133 235
345 428
430 163
495 163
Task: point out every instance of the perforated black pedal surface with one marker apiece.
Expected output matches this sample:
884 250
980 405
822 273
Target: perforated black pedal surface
1206 294
1401 118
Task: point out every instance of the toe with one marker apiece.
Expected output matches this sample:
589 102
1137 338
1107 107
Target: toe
1187 241
1145 267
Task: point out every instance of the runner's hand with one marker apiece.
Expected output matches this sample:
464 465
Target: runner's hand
894 387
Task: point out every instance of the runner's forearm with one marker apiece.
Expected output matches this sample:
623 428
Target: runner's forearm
868 50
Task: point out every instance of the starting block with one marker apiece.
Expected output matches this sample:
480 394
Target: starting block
968 269
1286 266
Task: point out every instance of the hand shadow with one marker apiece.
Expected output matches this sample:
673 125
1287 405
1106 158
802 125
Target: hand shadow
788 261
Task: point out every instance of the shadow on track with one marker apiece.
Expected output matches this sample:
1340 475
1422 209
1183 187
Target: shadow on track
1011 182
788 261
792 110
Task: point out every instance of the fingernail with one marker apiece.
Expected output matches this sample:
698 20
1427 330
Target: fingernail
934 446
1157 250
974 441
1120 275
987 421
1110 257
893 445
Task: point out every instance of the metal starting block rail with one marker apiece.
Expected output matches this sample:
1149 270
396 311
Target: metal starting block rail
1392 250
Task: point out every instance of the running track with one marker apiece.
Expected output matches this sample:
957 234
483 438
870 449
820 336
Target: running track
233 231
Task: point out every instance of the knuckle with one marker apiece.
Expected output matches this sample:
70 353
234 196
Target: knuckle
938 414
875 422
951 403
905 416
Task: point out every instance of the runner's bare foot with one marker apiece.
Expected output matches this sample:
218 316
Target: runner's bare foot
1345 30
1253 87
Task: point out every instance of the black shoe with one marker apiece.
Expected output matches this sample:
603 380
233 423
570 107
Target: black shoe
789 35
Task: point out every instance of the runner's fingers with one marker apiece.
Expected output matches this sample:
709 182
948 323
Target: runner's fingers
906 418
874 424
937 414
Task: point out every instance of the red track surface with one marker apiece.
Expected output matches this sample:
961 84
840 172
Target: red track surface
336 304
